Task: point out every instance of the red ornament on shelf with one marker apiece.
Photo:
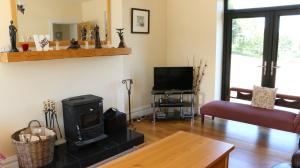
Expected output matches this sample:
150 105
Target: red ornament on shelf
25 47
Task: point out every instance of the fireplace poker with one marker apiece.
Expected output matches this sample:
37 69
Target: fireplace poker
58 125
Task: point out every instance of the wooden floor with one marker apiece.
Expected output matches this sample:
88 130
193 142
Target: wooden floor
256 147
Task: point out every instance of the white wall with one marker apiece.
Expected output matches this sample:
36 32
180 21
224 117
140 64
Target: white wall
193 30
24 86
149 50
4 17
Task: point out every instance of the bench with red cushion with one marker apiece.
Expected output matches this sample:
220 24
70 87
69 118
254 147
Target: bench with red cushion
277 119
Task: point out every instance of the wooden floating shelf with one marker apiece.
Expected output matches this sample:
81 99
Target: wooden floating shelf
62 54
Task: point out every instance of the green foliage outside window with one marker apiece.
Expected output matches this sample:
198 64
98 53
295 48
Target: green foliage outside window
248 40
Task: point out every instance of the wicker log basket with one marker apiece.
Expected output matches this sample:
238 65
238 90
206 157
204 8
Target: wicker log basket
34 154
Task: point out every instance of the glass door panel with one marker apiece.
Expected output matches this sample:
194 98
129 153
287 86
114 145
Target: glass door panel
288 59
247 4
247 50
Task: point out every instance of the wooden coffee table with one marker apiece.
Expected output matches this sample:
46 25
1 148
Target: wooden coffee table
180 150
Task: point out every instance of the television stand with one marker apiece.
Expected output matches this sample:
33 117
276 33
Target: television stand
163 100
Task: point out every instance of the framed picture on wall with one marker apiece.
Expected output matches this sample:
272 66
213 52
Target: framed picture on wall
140 21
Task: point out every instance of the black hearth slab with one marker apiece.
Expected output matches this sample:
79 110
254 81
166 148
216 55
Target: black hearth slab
63 159
127 139
97 152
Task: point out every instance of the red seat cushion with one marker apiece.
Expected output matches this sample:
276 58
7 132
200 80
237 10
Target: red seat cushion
276 119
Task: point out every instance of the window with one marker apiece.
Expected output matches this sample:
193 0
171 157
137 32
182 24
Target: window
261 45
246 4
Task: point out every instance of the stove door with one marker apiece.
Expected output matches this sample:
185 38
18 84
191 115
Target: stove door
90 119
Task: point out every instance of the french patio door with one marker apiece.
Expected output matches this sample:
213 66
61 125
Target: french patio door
263 49
285 65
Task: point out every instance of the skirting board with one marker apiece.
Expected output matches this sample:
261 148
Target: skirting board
10 162
140 112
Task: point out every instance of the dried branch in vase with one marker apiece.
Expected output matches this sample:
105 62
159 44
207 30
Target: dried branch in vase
199 72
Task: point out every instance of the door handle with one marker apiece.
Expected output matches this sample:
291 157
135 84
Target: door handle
264 66
273 67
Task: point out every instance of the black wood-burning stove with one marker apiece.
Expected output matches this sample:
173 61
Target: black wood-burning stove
83 120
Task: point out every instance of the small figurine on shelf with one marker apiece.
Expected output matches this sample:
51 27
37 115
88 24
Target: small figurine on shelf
74 44
13 37
83 33
91 34
121 36
97 37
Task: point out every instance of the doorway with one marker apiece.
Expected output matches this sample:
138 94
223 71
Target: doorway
262 48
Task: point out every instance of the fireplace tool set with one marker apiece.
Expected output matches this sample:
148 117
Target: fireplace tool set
128 83
50 115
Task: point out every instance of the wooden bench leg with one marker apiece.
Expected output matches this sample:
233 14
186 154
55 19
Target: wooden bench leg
213 117
202 118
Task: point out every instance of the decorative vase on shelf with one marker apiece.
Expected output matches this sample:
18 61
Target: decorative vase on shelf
198 102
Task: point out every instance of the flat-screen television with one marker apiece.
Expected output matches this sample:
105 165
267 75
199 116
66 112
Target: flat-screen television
173 78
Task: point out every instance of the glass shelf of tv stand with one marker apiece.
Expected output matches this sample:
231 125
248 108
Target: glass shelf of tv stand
172 102
170 92
166 101
174 115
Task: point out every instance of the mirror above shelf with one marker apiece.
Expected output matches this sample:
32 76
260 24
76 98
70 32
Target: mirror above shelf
63 20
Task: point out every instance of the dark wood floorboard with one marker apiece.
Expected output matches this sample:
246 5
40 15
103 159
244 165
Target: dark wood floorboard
256 147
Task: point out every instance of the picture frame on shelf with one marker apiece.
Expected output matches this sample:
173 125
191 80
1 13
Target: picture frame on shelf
140 21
